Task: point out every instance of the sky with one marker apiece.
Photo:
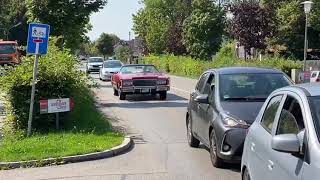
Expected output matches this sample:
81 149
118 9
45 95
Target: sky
115 18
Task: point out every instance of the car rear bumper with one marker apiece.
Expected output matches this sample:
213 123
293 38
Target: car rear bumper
144 89
106 77
232 137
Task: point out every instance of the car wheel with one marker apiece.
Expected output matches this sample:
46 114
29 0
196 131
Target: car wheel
246 175
115 92
122 96
163 95
192 141
215 160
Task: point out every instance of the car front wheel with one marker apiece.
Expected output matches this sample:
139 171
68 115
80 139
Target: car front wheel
246 175
122 96
215 160
192 141
163 95
115 92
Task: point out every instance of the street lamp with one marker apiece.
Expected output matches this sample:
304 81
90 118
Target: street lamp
307 8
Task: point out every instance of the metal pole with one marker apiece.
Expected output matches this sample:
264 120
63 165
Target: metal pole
33 90
57 121
305 45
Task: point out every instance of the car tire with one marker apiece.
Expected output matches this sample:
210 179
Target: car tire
122 96
163 95
215 159
115 92
246 175
192 141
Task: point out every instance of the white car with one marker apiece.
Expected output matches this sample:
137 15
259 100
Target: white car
94 64
109 68
315 76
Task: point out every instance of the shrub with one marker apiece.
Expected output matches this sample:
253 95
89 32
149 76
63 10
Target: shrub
226 57
58 77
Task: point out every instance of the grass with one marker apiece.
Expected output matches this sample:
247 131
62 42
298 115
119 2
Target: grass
55 145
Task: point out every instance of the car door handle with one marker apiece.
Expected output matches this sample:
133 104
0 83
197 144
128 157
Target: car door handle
253 147
270 165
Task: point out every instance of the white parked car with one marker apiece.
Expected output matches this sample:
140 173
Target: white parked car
109 68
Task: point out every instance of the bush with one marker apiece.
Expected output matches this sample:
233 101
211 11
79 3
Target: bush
58 77
226 57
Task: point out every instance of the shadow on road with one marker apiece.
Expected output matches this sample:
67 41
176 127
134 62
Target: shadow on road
146 105
104 86
137 98
235 167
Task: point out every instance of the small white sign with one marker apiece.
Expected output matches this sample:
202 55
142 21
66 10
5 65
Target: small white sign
58 105
39 32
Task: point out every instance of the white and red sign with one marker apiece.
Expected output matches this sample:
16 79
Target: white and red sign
56 105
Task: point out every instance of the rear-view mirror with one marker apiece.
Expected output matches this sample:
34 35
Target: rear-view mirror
203 99
288 143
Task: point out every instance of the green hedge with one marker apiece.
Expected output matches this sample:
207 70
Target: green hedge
186 66
58 77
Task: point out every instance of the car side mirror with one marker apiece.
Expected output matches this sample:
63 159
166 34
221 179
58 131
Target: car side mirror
288 143
203 99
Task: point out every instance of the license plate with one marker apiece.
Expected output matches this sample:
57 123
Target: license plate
145 90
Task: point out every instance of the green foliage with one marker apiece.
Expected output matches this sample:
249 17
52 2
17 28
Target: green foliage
58 77
252 24
105 44
123 53
68 19
159 24
187 66
203 29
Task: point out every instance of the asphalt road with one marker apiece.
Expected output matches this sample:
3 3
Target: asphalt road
161 151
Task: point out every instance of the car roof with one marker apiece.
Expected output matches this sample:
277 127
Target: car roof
138 65
240 70
114 60
310 89
95 57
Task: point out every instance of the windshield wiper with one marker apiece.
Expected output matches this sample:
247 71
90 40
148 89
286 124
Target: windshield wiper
248 98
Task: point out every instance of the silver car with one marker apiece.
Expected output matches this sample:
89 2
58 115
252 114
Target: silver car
283 143
94 64
109 68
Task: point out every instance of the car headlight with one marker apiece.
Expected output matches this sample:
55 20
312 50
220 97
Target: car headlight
231 122
127 83
162 82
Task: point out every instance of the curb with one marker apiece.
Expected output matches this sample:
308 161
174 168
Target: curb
126 145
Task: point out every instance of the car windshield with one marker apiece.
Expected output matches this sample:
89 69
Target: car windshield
7 49
95 60
112 64
315 111
138 69
245 87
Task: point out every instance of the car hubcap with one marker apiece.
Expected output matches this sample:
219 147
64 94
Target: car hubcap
213 147
189 131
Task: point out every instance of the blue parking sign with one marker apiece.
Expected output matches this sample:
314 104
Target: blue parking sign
38 39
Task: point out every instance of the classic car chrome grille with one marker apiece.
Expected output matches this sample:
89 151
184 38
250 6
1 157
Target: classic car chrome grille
5 59
144 82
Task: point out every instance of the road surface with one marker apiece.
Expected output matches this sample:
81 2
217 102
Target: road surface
161 151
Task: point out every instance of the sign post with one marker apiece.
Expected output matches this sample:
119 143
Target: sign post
38 40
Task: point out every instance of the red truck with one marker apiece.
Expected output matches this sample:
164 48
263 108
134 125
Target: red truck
9 53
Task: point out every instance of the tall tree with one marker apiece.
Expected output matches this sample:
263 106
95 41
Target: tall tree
203 29
68 18
105 44
251 24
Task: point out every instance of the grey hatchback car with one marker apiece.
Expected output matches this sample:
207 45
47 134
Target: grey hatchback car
283 143
224 104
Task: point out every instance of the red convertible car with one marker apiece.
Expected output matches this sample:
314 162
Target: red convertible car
140 79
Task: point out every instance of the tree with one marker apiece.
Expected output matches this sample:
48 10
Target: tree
251 24
159 25
123 53
105 44
68 18
202 34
